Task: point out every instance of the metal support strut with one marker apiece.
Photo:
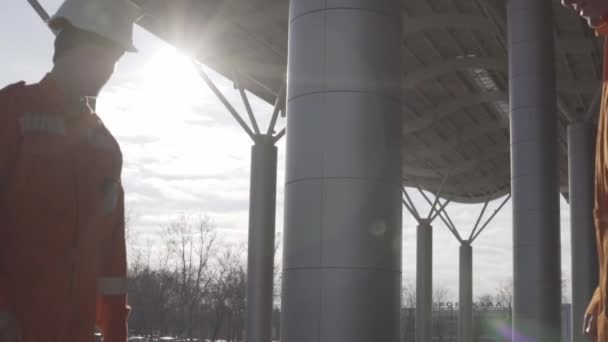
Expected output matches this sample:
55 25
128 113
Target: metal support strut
424 263
262 213
465 295
424 260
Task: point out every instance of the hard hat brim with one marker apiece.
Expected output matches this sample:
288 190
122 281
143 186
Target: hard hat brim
58 23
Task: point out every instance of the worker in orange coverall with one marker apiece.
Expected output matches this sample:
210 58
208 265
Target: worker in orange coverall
596 317
62 241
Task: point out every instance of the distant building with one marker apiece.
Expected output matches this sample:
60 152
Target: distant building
490 324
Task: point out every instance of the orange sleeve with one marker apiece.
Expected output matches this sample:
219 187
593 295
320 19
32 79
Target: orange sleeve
8 128
602 30
9 137
594 304
112 308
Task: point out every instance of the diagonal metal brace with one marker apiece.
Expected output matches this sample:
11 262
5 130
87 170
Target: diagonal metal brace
226 103
439 191
490 218
441 209
483 210
277 108
279 136
409 204
40 10
243 93
446 220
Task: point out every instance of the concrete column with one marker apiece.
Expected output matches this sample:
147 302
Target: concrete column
581 159
534 172
260 260
424 281
465 294
342 238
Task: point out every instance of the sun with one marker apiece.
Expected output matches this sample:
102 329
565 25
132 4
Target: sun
161 94
171 77
165 111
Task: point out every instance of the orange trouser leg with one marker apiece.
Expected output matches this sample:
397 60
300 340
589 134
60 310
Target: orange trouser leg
602 328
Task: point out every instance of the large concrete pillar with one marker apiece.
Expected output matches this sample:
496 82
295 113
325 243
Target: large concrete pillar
342 238
534 172
581 159
465 294
260 260
424 281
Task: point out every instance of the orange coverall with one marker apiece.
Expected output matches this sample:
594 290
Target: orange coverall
62 243
598 308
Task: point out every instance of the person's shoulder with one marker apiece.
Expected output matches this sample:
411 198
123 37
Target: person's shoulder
12 87
100 136
11 99
11 90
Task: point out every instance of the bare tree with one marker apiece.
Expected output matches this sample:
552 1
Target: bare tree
440 295
193 287
408 294
504 297
408 311
504 293
191 241
227 297
149 293
485 301
131 235
129 219
278 272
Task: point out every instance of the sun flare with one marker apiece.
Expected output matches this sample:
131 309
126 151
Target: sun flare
171 77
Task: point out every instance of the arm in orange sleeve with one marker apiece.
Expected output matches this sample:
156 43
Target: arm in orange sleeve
592 313
8 150
594 304
112 308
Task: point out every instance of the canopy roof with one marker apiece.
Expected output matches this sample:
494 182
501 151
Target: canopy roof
455 84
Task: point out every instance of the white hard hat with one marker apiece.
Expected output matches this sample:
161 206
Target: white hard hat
111 19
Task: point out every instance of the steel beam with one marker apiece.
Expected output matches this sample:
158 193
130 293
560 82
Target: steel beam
424 281
449 108
414 78
581 157
342 240
534 172
447 21
465 294
260 259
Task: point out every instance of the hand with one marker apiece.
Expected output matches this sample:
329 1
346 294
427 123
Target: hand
590 326
9 330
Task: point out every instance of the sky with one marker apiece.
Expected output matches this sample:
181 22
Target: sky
185 155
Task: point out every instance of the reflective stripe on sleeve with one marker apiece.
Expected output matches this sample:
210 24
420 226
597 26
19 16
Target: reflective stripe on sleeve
31 122
112 286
